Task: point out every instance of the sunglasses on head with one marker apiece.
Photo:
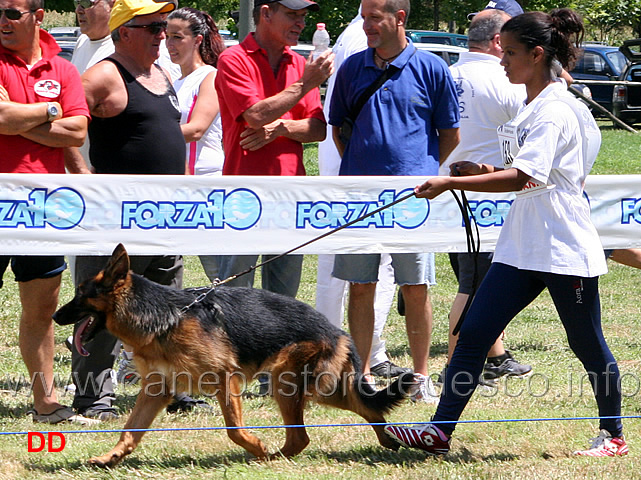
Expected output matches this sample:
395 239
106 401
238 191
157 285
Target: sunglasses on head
84 3
154 28
13 13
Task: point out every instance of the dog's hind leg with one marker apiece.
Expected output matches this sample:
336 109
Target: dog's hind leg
147 407
229 398
383 438
348 398
292 407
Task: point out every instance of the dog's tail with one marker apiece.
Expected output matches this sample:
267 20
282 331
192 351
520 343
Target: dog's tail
384 400
387 399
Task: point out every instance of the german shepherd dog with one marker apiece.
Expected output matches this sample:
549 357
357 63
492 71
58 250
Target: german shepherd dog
224 337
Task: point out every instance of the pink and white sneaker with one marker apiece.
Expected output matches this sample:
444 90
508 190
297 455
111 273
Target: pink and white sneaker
605 446
428 438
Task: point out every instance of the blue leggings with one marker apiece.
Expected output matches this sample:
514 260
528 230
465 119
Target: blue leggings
504 292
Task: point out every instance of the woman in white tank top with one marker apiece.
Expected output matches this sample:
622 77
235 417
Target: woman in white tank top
194 44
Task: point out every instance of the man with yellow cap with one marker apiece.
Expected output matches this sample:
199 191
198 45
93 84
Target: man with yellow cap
135 129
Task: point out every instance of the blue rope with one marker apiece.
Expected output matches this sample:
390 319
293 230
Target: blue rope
266 427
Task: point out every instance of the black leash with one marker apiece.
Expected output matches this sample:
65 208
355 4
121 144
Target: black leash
473 247
217 282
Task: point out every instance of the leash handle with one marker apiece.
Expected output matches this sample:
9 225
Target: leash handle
473 247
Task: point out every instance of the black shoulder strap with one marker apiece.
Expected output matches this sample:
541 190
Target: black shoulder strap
362 100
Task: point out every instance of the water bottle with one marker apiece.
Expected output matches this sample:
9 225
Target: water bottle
320 40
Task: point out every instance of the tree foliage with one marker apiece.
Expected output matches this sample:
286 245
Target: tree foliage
609 17
335 14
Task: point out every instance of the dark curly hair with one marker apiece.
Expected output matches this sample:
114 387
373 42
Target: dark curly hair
200 23
559 33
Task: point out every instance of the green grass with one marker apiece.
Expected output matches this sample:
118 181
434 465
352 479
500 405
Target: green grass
536 450
620 152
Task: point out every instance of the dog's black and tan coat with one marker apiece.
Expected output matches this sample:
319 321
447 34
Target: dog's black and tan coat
217 343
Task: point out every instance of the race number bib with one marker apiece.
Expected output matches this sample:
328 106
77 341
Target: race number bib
509 149
511 140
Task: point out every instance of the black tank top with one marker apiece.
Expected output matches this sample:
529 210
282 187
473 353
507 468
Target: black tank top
145 138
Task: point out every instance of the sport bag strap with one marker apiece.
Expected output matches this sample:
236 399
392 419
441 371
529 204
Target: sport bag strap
362 100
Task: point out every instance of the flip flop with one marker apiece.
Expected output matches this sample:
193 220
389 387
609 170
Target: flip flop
62 414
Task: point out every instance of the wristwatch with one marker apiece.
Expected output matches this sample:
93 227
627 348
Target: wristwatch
52 111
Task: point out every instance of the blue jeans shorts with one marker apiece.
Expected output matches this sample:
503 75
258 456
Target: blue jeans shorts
409 268
27 268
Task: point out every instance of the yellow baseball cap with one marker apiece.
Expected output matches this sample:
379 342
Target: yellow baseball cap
125 10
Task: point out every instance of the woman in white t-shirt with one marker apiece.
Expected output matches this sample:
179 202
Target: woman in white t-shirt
547 241
193 42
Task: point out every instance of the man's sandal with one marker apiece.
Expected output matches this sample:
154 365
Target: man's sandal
62 414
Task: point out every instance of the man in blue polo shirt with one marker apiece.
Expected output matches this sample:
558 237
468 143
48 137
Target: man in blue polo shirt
407 127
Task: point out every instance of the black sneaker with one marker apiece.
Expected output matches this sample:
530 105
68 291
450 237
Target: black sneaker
497 367
103 414
263 386
439 379
184 404
388 369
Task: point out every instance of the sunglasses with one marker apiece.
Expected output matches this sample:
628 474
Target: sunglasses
154 28
85 4
13 14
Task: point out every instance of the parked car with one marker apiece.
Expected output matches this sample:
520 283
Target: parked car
227 35
66 48
449 53
600 62
430 36
626 100
66 33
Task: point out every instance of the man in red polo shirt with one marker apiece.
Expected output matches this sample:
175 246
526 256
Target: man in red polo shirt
269 106
42 110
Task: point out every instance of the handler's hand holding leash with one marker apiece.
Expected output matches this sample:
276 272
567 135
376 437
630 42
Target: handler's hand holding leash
433 187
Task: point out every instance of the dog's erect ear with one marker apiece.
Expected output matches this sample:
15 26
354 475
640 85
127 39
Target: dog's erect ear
118 266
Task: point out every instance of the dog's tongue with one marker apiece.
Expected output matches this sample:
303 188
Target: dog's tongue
77 338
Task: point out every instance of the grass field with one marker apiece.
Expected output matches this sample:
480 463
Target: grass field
511 450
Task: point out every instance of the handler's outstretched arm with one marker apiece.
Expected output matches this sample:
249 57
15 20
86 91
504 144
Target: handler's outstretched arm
509 180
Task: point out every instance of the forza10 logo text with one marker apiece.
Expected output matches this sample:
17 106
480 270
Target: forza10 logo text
410 213
239 209
630 210
62 209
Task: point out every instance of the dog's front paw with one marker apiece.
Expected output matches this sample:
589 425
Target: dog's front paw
109 460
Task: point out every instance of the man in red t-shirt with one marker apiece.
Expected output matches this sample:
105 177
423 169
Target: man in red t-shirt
42 110
269 106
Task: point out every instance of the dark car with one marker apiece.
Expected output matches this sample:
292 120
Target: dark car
444 38
66 48
600 62
626 102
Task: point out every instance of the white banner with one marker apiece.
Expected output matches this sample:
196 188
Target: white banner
90 214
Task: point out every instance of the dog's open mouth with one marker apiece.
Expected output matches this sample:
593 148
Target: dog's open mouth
82 335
